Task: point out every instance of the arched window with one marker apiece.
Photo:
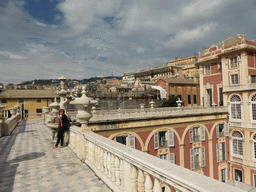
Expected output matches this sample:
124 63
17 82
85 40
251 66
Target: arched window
253 100
235 102
237 138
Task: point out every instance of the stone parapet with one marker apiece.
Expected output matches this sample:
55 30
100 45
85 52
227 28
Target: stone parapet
9 124
126 169
167 112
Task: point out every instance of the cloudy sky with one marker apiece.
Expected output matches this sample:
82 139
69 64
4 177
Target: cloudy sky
87 38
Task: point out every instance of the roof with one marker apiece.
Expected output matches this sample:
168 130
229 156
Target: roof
177 81
12 94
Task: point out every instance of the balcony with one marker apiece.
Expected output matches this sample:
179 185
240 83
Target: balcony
125 169
164 112
239 87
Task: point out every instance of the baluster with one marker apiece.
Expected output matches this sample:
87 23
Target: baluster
95 160
109 165
157 186
167 188
141 180
112 168
117 172
98 157
134 180
105 163
148 184
122 173
102 160
93 153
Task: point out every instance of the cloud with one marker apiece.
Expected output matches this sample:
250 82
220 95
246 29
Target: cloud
89 38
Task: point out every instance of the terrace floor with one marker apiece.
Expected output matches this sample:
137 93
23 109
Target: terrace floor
28 163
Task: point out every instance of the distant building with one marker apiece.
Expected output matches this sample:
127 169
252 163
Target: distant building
186 89
228 78
32 100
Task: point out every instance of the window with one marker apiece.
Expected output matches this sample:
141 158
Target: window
237 143
253 78
164 139
38 110
219 67
238 175
194 134
222 130
6 114
4 101
220 96
235 104
21 101
127 140
39 100
254 145
194 99
233 62
165 157
254 179
197 157
253 107
234 79
208 69
220 149
189 99
223 175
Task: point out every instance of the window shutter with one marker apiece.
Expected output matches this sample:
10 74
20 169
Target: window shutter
217 131
156 140
226 129
192 163
191 134
218 152
223 152
132 141
172 158
171 138
202 133
203 156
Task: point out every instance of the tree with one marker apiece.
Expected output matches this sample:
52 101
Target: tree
171 102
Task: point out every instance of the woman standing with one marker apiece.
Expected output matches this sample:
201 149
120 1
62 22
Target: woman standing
63 126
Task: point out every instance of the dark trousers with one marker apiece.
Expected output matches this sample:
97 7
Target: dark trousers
60 136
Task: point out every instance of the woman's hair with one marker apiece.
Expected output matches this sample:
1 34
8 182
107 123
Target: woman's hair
62 110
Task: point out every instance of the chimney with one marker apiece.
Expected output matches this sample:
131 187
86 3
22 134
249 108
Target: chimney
240 36
176 58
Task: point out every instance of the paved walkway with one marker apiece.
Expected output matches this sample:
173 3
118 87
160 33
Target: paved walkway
28 163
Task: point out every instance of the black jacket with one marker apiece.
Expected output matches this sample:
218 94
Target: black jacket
64 121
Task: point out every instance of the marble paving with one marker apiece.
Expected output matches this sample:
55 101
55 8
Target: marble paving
28 163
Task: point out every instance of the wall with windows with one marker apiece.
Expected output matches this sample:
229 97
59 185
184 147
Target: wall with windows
202 147
31 105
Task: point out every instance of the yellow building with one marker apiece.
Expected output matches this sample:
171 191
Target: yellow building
31 101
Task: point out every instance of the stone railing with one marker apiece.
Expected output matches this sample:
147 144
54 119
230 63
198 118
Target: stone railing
9 124
120 115
125 169
240 87
33 116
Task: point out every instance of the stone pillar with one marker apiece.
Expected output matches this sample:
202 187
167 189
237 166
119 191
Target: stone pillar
13 111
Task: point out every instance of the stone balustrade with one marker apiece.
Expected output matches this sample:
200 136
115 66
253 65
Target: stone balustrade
120 115
9 124
125 169
240 87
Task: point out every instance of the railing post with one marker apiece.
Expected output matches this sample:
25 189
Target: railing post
148 184
141 180
134 180
109 165
105 163
117 171
157 185
122 173
167 188
112 168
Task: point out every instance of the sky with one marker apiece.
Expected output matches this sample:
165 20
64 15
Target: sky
80 39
